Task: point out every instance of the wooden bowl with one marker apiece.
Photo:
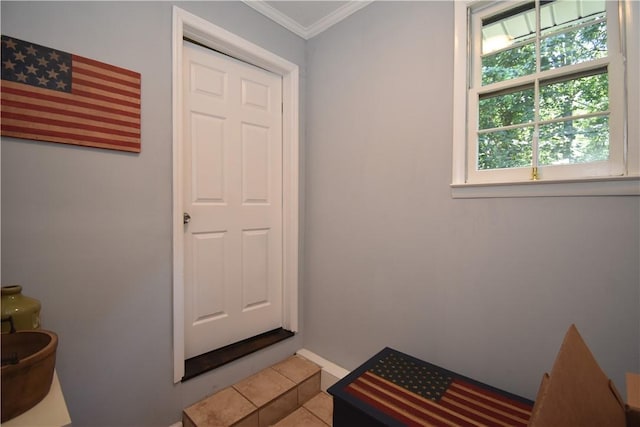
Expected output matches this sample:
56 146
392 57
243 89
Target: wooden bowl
28 361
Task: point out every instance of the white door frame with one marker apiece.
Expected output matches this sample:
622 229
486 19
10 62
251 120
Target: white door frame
188 25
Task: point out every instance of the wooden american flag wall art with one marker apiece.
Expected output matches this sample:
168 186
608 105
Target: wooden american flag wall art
55 96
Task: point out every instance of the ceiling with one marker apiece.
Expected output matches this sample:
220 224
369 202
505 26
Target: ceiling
307 18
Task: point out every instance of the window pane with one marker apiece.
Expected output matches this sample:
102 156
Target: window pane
507 109
562 44
583 95
508 64
505 149
559 14
574 141
514 25
508 44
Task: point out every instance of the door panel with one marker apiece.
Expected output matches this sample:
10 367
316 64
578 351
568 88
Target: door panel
208 265
207 159
255 269
233 193
255 164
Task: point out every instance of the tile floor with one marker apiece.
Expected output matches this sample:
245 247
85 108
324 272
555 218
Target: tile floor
284 395
317 412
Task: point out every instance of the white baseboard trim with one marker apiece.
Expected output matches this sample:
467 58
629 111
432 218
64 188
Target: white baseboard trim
331 373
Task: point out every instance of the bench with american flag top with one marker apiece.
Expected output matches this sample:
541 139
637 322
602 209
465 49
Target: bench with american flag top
395 389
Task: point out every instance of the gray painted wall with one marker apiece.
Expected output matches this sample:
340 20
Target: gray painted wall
88 231
484 287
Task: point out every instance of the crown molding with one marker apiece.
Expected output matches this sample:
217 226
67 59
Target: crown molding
307 32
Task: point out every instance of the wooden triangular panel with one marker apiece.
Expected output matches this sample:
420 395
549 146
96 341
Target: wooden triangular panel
578 392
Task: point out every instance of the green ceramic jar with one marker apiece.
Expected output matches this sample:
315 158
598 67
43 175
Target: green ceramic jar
25 311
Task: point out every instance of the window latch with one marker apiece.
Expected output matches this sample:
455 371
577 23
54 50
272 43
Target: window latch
534 173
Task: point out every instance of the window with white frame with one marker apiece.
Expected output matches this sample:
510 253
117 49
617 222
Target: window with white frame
545 97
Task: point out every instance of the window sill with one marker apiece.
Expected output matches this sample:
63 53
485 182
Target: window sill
618 186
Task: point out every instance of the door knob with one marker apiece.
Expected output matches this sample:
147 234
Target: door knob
186 218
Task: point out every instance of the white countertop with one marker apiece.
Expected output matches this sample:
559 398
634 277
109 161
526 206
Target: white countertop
49 412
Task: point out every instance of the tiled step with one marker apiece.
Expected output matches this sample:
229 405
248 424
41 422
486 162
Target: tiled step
264 399
317 412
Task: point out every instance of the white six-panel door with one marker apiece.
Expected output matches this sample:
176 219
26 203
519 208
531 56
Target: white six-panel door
233 195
